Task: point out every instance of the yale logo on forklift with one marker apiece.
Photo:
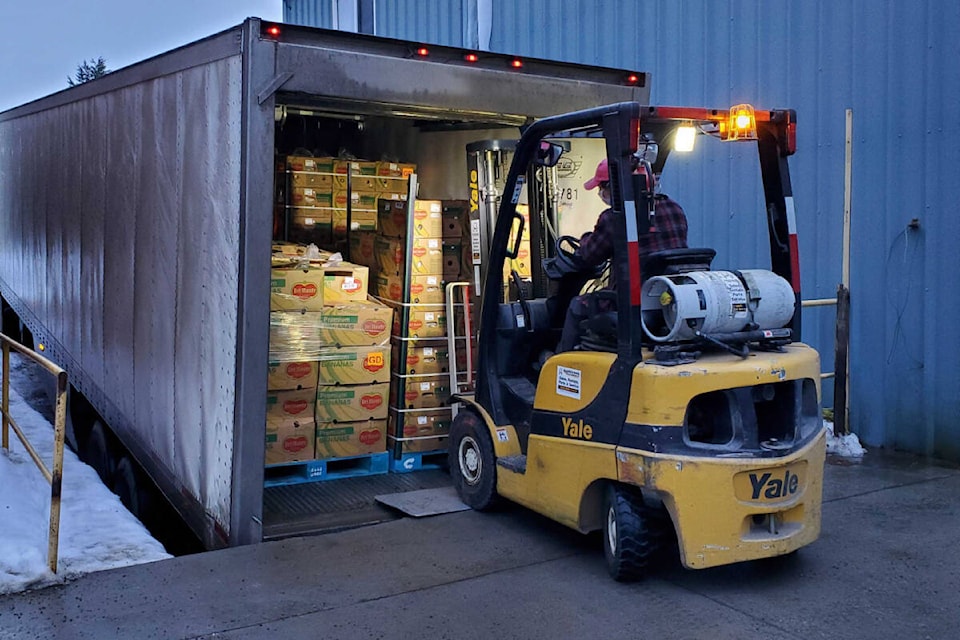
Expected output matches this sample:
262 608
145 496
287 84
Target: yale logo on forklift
769 485
576 429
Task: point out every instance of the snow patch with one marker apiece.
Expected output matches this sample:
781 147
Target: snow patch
847 446
96 530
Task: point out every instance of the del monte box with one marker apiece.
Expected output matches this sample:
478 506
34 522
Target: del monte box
297 288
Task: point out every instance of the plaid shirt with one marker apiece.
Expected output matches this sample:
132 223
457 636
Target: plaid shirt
670 233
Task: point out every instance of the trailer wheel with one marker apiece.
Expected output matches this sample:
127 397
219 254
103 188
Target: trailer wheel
629 534
472 463
98 452
129 488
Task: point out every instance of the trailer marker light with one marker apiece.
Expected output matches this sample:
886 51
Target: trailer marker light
273 30
471 57
423 52
633 78
516 63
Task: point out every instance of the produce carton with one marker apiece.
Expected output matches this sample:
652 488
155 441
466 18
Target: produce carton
427 218
308 289
427 255
420 392
346 403
346 439
393 176
290 442
354 365
288 376
423 357
290 406
426 289
363 175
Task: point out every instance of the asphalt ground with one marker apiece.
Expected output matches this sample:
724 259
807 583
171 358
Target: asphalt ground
886 566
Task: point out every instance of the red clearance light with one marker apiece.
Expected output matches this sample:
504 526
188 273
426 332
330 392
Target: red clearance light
423 52
471 57
633 78
273 30
516 63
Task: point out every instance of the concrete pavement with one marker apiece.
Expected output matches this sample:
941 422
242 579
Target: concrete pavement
887 566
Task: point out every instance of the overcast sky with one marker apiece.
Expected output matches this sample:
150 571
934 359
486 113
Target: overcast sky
45 40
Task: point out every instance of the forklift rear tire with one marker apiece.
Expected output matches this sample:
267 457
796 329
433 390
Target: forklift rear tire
629 534
472 463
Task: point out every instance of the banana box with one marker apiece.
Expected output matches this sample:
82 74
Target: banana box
285 376
299 289
310 172
354 365
362 249
363 175
359 221
355 324
290 406
424 289
311 197
426 255
347 439
427 218
422 357
346 403
310 228
420 423
290 442
393 176
422 321
420 392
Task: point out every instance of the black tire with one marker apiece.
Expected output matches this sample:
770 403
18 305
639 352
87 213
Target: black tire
630 534
127 486
98 452
473 466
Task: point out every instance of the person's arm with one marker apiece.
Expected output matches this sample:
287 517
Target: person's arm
597 246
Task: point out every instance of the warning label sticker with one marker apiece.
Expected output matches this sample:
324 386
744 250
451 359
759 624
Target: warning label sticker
568 382
736 291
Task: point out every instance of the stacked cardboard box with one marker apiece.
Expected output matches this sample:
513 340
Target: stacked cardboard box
309 199
330 351
321 192
410 264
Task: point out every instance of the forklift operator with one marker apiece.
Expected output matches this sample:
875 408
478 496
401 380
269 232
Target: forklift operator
670 232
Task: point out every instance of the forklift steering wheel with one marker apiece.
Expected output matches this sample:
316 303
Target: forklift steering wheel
567 261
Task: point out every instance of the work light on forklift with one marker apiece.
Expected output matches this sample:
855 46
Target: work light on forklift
742 123
684 138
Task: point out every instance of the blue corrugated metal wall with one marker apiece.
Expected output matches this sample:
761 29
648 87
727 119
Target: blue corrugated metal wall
895 65
314 13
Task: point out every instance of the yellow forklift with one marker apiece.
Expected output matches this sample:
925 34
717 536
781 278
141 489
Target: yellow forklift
693 403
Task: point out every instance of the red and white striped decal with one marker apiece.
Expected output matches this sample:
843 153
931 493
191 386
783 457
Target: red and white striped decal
633 252
794 245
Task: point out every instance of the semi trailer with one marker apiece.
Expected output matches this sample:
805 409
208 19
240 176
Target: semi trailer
137 216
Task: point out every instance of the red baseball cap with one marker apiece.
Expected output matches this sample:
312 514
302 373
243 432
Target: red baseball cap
602 175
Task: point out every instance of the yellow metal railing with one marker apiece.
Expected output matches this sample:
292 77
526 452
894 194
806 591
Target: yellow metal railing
54 477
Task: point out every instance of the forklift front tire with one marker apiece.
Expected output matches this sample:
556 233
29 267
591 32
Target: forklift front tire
472 463
629 538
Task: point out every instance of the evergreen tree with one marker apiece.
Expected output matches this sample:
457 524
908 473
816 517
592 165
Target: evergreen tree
87 71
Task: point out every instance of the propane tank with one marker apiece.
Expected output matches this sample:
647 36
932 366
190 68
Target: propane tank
675 307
